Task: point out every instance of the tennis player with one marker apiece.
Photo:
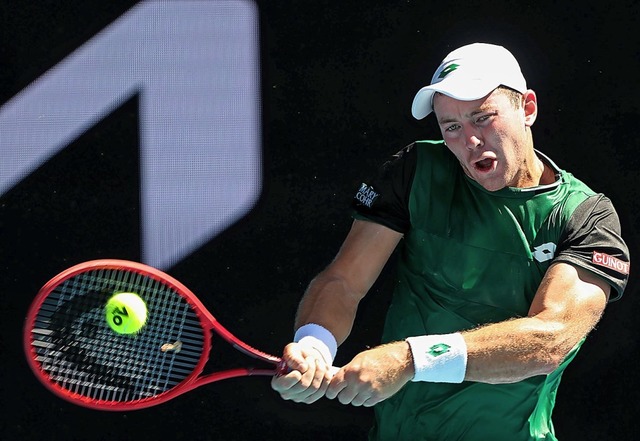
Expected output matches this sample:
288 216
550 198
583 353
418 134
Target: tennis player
506 262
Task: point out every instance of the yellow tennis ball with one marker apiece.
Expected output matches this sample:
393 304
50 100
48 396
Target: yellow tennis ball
126 313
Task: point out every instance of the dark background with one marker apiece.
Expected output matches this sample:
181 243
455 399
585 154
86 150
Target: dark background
338 80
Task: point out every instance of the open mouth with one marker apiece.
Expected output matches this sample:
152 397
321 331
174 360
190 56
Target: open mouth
484 165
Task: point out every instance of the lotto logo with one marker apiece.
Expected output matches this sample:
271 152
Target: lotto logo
438 349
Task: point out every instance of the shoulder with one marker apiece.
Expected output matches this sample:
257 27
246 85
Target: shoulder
430 160
432 151
592 239
418 151
385 198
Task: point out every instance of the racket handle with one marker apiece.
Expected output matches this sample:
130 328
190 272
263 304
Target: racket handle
282 369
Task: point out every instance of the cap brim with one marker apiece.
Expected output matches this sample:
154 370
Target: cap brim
467 90
423 103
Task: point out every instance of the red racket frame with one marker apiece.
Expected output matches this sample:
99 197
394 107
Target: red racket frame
191 382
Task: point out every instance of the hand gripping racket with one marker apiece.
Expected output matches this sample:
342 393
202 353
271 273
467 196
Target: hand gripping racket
74 353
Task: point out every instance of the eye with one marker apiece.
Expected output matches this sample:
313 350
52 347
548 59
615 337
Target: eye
452 127
484 118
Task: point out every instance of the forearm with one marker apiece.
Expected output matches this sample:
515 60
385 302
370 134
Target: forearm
569 303
513 350
332 298
331 303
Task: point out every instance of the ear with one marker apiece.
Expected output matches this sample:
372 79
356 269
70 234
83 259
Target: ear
530 105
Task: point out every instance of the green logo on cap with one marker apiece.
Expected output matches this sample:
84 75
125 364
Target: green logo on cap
447 70
438 349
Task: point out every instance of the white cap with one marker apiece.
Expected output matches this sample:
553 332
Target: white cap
470 73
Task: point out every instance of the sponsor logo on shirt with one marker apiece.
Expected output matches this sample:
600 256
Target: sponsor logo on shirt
366 195
610 262
544 252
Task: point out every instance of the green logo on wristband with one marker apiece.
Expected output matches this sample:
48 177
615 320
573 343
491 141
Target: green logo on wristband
438 349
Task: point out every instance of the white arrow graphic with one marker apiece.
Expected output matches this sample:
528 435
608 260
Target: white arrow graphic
196 68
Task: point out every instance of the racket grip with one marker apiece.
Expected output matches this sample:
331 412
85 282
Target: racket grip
282 369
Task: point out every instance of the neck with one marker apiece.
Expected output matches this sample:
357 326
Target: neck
535 172
548 175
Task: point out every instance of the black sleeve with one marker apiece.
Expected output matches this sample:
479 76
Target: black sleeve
385 198
592 241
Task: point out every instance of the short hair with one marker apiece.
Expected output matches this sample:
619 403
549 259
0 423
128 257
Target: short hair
514 96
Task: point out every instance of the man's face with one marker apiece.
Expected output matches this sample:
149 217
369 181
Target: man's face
491 138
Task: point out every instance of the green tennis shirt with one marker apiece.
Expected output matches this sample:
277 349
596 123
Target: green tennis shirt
471 257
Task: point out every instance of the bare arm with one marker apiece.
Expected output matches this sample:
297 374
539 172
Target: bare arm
331 300
567 305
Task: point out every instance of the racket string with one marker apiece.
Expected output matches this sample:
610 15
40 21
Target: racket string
77 349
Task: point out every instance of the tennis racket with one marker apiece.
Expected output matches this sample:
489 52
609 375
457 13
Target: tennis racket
74 353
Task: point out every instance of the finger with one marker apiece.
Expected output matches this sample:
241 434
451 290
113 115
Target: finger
371 401
367 398
311 381
284 383
294 358
358 400
347 395
337 384
320 389
298 388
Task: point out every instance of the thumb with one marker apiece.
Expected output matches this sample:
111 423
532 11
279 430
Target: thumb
293 358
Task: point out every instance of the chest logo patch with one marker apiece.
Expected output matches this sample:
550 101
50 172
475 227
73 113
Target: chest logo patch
544 252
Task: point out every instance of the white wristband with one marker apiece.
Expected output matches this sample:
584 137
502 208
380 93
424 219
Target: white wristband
439 358
319 338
